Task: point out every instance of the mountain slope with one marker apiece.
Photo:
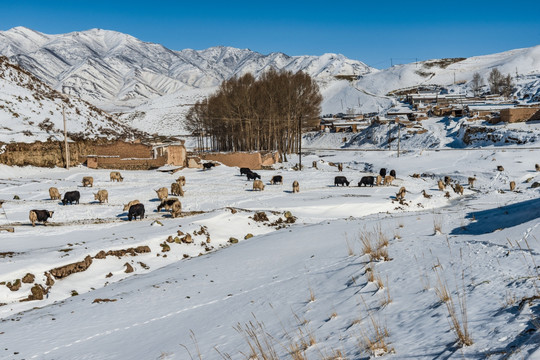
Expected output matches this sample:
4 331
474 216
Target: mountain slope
31 111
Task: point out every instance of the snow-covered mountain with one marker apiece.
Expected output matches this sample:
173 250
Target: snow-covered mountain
154 86
117 71
31 111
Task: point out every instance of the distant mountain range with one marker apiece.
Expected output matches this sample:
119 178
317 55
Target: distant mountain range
117 71
152 87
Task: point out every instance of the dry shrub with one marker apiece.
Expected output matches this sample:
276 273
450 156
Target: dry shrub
374 339
375 244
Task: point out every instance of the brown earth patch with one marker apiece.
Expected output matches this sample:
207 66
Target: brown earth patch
63 271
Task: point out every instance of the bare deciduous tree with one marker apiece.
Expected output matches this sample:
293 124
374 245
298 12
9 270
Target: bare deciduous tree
495 79
266 114
476 83
507 86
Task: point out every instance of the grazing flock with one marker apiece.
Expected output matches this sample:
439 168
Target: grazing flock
135 208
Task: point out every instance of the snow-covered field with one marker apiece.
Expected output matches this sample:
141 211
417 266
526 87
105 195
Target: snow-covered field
307 282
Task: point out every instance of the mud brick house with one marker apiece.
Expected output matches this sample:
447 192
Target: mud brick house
95 154
135 155
252 160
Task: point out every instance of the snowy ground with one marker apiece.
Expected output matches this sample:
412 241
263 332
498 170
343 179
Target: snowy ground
299 280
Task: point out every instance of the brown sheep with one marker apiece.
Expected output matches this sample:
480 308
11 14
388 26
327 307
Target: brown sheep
295 187
132 202
87 181
388 180
258 185
537 167
447 195
181 180
340 167
416 176
176 209
471 182
458 189
426 195
314 164
441 185
54 194
102 196
176 189
116 176
401 193
162 193
512 185
379 180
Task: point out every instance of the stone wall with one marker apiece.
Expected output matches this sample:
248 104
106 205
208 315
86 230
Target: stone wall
520 114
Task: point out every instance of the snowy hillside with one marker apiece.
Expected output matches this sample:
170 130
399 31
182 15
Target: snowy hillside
114 70
353 274
31 111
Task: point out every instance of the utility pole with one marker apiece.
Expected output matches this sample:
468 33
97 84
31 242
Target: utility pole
300 143
399 135
65 136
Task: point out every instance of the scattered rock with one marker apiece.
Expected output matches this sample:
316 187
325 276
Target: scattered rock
187 239
15 286
50 280
165 247
63 271
144 266
170 239
248 236
74 293
28 278
98 300
37 293
186 256
180 233
16 197
260 216
233 240
109 275
129 268
123 252
535 185
156 223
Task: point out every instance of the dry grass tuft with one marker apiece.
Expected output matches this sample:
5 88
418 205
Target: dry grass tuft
374 340
437 225
375 244
311 295
387 298
458 322
350 248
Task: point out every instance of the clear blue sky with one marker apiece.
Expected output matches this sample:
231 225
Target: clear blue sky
369 31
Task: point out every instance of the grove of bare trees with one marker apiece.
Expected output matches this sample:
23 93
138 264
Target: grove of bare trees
500 84
248 114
